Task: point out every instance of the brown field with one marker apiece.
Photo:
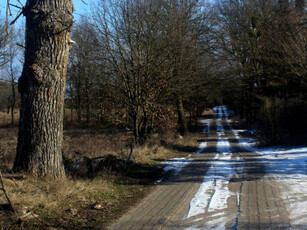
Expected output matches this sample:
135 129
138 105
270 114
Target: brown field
65 204
5 118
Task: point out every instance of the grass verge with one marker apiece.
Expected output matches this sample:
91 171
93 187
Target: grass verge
88 203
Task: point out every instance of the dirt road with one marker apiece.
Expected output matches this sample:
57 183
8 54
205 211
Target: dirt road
225 186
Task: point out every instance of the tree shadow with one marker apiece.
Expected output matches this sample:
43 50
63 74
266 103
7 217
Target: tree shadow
243 166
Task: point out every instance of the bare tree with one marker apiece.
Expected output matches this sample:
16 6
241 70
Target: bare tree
12 70
84 70
131 36
187 26
154 51
3 37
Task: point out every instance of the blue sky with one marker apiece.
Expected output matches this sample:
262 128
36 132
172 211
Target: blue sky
80 8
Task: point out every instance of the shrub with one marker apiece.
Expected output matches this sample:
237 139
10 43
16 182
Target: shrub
283 121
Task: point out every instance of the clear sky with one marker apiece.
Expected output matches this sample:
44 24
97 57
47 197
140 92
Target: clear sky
80 8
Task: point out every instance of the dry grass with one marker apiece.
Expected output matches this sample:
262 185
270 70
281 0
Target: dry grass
208 112
8 142
5 118
65 204
166 146
94 144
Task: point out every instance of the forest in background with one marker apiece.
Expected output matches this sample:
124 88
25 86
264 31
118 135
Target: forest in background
140 74
150 66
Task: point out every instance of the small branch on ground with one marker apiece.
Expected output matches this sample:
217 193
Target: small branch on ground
5 193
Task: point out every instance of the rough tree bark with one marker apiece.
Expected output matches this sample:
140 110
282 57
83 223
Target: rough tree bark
42 87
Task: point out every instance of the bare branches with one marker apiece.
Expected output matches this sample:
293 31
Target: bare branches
16 6
8 14
17 17
84 2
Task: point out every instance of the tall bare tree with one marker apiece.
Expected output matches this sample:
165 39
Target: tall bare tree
187 26
42 87
131 35
85 71
12 69
3 38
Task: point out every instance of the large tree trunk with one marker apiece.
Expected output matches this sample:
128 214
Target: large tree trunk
42 87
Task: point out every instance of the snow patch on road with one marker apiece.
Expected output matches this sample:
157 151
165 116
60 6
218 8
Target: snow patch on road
289 167
223 146
206 129
201 199
175 164
201 147
213 193
219 128
222 193
220 197
206 123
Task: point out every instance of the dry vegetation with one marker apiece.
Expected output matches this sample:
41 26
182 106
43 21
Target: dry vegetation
5 118
66 204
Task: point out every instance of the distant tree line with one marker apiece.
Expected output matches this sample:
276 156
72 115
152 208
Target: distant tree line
148 65
264 48
140 64
9 69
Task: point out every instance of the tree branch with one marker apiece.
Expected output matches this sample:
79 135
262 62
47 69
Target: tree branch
5 193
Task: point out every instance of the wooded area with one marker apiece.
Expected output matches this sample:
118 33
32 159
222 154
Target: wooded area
96 111
140 64
148 66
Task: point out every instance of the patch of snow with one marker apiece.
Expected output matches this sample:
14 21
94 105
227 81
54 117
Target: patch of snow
223 146
175 164
213 192
206 123
222 193
220 197
192 228
206 129
219 111
217 224
159 181
201 199
219 127
201 147
289 167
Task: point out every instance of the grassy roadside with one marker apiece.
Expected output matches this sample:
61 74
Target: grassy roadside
87 203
